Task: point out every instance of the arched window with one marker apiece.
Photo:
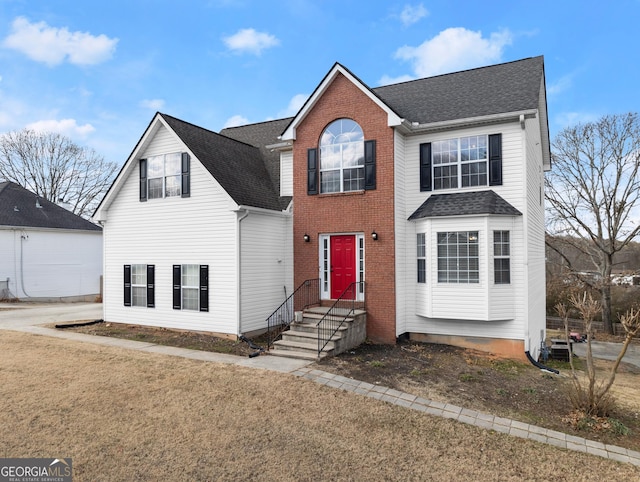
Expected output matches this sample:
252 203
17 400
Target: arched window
342 157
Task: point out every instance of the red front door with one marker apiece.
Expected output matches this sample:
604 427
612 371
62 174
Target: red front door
343 264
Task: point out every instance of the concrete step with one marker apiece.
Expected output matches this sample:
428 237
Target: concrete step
301 355
312 327
307 337
308 315
311 346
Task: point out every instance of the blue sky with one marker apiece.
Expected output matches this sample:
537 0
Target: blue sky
98 71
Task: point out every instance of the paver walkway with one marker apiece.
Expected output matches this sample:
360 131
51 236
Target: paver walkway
300 368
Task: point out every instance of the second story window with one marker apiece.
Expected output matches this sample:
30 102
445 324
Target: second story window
460 162
164 175
342 157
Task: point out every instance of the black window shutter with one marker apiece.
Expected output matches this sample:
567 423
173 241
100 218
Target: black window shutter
425 167
495 160
151 286
186 175
143 179
369 165
127 285
177 283
204 287
312 171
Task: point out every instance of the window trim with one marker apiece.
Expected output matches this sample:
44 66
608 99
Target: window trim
502 258
362 169
149 285
446 275
459 164
203 287
183 175
421 256
494 167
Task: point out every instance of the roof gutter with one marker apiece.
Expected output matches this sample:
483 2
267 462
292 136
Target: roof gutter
417 128
253 209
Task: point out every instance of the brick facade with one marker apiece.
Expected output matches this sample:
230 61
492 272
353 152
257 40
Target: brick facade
352 212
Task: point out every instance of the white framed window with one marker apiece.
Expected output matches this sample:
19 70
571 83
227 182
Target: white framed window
460 162
421 257
164 175
501 258
190 285
139 285
342 157
458 257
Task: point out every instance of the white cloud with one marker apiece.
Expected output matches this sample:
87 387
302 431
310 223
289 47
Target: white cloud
250 41
296 102
568 119
235 121
51 45
153 104
67 127
455 49
411 14
559 86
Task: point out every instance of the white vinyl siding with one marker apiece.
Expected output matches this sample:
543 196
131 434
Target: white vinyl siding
475 310
286 173
404 234
266 268
200 229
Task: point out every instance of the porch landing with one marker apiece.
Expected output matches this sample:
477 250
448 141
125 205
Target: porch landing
301 340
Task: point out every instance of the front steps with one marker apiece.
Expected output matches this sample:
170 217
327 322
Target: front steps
301 340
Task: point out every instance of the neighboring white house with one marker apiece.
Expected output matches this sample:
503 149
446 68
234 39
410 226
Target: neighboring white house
426 194
48 253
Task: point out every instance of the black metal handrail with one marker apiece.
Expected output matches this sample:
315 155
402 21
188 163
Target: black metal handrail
341 309
305 295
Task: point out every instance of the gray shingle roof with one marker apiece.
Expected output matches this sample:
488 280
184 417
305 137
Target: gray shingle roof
19 208
260 135
238 167
464 204
496 89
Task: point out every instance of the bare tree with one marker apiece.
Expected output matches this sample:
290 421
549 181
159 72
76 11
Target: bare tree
593 195
593 396
54 167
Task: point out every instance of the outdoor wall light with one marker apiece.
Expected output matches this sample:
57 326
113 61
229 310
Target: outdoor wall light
374 236
306 238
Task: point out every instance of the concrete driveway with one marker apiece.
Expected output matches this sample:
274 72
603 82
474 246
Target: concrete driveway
19 315
609 351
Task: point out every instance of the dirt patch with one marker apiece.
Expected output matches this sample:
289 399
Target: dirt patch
467 378
128 415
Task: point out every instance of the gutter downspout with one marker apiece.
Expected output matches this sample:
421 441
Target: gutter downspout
239 291
22 239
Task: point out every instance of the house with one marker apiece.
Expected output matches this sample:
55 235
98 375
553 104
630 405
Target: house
197 235
48 253
426 196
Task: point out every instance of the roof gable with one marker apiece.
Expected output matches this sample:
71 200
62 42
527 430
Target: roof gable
22 208
393 119
237 166
464 204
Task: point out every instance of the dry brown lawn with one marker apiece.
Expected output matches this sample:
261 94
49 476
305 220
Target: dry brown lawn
127 415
